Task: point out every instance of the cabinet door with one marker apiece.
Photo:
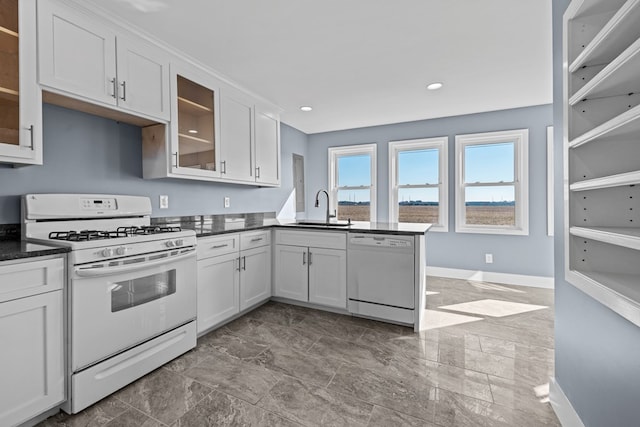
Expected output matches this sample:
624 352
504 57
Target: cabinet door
236 113
143 79
32 358
255 276
20 97
267 152
218 290
76 54
195 134
291 275
328 277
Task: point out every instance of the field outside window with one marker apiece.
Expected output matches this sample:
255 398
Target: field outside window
492 182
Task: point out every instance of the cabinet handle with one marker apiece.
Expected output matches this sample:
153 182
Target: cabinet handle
309 257
115 88
304 258
257 239
124 91
238 269
258 172
220 246
30 129
244 263
176 156
223 166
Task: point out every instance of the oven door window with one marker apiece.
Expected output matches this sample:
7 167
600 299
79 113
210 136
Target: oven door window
134 292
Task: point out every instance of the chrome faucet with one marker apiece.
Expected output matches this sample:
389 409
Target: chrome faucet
328 216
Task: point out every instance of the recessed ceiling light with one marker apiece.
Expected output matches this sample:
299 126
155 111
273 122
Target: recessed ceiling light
192 131
306 108
434 86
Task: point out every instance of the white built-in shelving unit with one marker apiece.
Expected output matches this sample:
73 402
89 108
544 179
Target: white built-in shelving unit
602 151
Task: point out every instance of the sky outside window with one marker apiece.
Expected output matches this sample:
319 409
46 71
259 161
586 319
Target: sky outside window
489 163
418 167
483 163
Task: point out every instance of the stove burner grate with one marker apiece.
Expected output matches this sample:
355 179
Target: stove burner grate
79 236
150 229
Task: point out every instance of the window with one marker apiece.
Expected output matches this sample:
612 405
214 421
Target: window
352 182
492 182
418 182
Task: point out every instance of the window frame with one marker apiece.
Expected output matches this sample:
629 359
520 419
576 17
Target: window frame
334 153
520 138
440 143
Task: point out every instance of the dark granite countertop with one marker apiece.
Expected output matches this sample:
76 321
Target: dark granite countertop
211 225
394 228
17 249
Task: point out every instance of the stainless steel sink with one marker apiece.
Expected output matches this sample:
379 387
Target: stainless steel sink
324 224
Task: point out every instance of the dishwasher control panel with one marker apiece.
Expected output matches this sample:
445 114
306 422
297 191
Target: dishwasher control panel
387 242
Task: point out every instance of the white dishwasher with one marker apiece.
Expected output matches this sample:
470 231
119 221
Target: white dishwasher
381 276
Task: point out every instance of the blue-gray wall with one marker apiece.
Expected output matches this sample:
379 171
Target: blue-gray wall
597 352
529 255
89 154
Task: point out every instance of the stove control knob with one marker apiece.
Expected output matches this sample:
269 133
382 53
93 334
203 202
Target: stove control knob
108 252
169 243
122 250
179 242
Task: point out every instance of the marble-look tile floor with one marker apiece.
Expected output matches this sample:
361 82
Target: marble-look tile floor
284 365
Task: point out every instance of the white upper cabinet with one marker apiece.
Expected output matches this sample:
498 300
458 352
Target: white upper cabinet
267 146
82 57
20 96
236 123
143 78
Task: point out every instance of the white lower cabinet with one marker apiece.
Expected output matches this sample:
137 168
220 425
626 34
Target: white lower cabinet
328 277
313 268
292 273
218 290
255 276
234 273
31 333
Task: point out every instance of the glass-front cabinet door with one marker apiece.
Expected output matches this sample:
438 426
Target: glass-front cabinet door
20 99
195 134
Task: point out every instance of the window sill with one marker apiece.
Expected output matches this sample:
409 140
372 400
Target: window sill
493 230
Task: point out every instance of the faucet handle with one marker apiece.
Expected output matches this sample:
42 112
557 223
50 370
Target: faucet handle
335 214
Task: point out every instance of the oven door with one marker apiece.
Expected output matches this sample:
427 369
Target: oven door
118 304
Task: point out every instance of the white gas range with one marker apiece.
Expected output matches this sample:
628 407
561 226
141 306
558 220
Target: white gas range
131 295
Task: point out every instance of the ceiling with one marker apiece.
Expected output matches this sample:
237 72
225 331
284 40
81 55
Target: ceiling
363 62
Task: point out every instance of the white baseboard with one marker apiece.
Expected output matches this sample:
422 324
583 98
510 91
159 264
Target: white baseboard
488 276
562 407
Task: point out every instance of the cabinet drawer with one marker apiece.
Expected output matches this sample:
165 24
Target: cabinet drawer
218 245
25 278
316 239
255 239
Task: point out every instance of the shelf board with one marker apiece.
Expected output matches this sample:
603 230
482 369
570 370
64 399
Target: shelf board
619 292
618 180
192 107
620 236
9 94
624 123
6 30
617 78
620 31
195 138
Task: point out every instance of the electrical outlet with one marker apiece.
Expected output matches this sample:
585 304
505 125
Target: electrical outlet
227 202
164 202
488 258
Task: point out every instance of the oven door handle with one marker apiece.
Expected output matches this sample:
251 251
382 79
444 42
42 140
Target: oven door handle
102 271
